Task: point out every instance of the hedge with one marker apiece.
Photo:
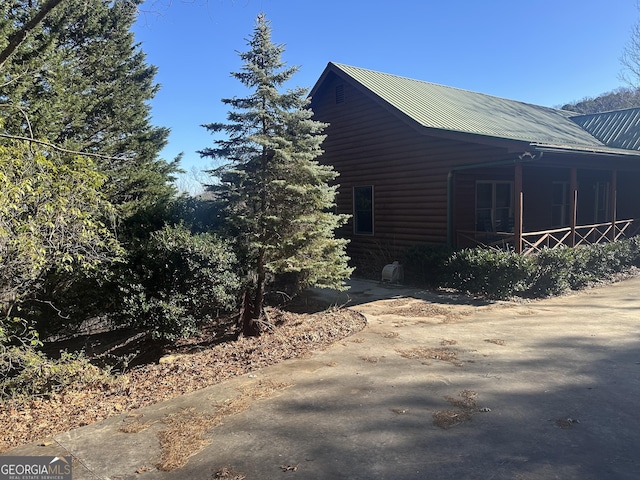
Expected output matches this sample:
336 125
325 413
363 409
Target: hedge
505 274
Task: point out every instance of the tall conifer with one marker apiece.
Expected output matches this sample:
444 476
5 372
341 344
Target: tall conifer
278 198
80 81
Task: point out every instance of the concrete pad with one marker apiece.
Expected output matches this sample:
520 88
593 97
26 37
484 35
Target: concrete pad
556 386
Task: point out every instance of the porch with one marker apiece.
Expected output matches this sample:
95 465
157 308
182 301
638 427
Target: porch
532 242
566 205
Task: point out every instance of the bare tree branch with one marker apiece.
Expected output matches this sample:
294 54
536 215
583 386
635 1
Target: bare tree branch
60 149
19 36
24 114
630 59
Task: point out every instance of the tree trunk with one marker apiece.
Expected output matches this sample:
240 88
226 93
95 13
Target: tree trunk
253 300
248 316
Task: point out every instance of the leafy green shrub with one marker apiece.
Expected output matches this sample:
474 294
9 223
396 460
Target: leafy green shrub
566 268
495 274
27 372
602 260
621 255
581 274
499 274
427 264
634 250
178 281
54 218
552 272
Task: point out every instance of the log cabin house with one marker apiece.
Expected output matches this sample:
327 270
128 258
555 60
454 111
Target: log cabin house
424 163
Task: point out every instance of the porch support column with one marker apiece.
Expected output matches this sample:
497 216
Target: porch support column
573 205
612 203
517 220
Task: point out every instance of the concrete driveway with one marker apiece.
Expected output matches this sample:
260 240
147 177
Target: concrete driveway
539 390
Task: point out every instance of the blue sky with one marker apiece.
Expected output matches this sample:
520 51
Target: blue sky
546 52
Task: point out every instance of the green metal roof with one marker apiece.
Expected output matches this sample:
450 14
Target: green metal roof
618 129
452 109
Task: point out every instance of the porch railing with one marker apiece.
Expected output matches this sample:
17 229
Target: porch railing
535 241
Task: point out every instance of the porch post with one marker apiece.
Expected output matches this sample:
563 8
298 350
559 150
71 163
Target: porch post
573 205
517 220
612 203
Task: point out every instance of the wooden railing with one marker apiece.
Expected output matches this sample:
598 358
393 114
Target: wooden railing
535 241
495 240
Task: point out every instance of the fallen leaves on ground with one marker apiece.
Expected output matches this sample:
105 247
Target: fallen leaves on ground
423 309
296 335
229 473
426 353
466 408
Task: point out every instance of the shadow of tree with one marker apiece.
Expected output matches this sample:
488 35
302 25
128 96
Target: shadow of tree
563 404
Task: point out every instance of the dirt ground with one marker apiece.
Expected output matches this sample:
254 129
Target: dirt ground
435 387
155 374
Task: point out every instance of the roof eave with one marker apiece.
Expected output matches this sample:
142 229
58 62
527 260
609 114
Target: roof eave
511 144
585 150
328 69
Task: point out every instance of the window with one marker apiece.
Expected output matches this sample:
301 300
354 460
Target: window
363 210
494 206
340 93
560 204
601 211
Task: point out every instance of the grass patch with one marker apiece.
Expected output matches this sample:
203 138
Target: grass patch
421 309
446 419
186 435
370 359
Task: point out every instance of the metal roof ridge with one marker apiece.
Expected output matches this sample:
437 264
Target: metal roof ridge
608 112
458 89
486 115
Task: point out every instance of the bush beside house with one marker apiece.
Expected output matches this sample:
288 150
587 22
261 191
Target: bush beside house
504 274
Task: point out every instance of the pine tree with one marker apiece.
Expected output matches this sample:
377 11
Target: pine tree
278 198
79 81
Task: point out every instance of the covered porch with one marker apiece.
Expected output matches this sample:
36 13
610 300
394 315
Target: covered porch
531 242
535 202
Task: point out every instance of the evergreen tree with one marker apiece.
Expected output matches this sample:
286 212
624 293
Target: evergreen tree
277 196
76 79
80 81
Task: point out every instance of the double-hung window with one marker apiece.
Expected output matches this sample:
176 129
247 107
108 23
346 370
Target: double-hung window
560 204
601 212
494 206
363 210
